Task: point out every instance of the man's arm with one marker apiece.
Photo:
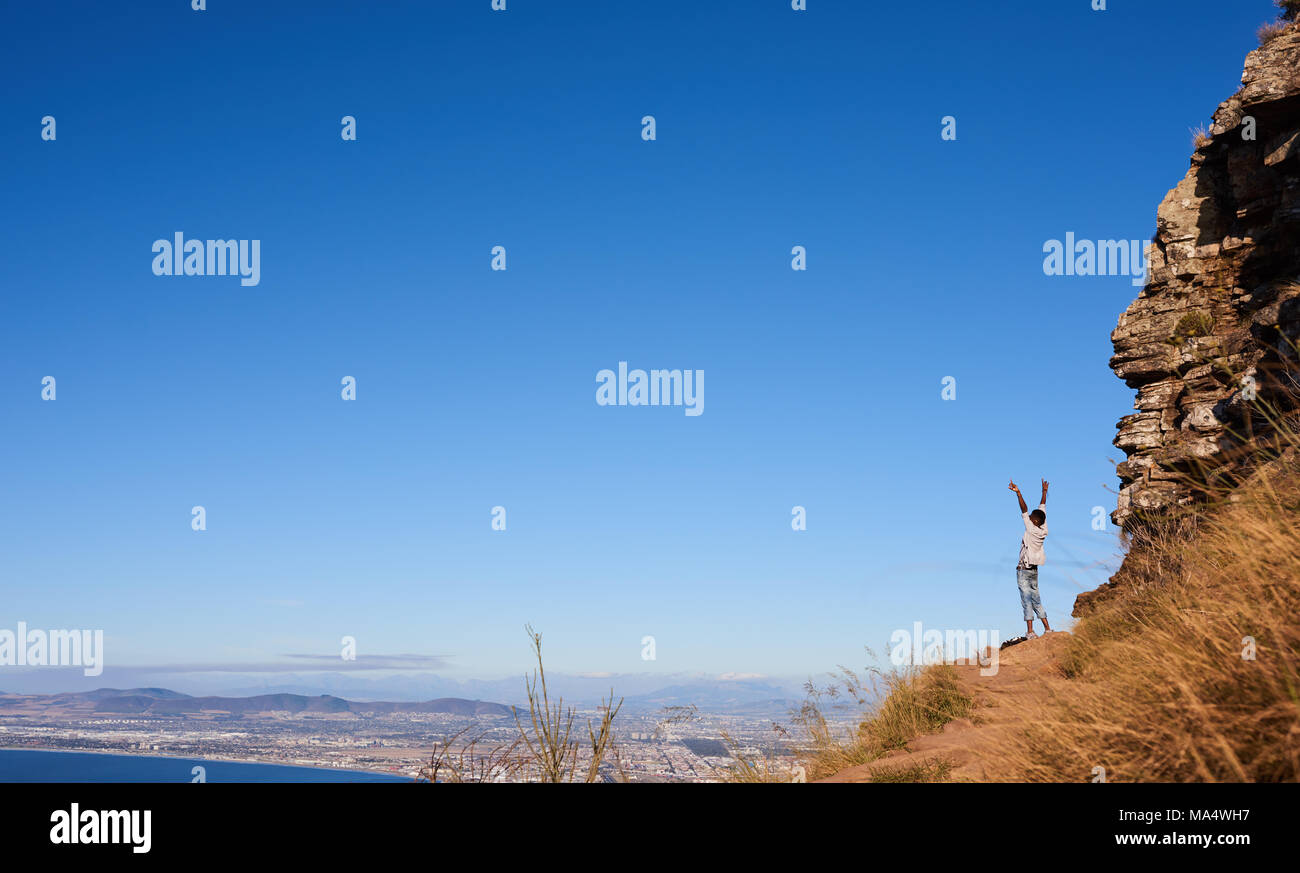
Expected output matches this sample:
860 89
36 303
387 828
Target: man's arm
1024 507
1044 503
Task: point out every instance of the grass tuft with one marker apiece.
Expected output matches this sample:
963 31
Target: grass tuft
912 702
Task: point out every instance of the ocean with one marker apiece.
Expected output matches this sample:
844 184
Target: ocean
28 765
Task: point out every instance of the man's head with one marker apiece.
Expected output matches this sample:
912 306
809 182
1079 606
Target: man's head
1038 517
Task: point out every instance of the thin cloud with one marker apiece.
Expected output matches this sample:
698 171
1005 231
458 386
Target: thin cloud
301 663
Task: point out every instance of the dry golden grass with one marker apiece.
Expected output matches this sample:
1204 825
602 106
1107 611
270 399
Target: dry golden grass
1189 671
912 702
932 770
1191 677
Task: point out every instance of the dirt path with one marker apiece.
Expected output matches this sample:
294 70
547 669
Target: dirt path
957 750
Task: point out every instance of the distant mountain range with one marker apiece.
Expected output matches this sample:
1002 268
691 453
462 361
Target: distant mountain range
163 701
643 693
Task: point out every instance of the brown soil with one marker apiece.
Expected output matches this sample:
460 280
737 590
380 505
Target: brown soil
1023 670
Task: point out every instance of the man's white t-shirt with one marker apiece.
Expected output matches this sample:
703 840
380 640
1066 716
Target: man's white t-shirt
1031 544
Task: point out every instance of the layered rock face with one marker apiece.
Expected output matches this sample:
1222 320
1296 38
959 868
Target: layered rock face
1222 298
1220 315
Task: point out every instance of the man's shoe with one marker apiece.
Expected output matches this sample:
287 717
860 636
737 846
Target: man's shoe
1031 636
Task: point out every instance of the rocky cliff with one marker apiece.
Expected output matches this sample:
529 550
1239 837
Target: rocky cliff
1211 338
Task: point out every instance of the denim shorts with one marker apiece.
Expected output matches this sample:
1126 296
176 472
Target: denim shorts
1027 581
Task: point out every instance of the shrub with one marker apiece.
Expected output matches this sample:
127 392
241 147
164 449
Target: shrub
1271 31
549 740
1193 324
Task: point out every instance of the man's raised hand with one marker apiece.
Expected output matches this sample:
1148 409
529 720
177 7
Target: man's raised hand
1020 498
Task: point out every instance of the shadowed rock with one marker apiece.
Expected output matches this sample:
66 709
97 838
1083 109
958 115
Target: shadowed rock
1220 314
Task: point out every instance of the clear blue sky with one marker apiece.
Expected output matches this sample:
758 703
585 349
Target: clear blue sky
476 388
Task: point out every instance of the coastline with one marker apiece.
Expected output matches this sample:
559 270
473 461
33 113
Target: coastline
205 759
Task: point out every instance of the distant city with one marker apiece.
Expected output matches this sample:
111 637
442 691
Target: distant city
382 737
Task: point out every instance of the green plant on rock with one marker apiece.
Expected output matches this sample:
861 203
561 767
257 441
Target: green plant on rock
1193 324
